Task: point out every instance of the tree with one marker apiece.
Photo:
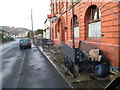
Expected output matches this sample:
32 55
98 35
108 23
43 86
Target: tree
30 34
39 31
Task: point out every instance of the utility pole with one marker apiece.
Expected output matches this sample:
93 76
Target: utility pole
32 25
73 41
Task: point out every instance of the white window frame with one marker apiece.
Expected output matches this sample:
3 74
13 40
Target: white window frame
94 23
94 29
76 31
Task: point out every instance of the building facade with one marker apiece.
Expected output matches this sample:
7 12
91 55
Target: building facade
5 33
46 31
22 35
94 21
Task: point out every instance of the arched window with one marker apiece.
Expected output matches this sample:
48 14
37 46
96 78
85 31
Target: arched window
62 2
94 22
56 7
76 27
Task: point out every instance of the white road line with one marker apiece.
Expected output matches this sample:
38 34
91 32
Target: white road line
20 71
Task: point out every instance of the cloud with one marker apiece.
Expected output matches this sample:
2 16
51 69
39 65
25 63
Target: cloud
16 12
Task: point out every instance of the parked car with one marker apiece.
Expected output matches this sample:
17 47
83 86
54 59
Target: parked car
25 43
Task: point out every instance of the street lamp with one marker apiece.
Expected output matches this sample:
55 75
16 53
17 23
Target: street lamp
54 18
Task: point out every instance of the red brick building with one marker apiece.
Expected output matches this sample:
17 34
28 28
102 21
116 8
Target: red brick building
95 21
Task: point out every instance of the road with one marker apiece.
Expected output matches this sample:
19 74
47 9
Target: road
27 68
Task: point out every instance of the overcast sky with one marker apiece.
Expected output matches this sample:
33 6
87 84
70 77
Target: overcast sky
17 13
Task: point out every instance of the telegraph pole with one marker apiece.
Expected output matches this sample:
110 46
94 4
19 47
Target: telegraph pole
32 25
73 41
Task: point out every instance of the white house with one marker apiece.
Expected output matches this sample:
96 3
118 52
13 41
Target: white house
46 32
23 34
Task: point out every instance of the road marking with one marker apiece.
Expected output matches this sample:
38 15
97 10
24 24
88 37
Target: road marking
20 71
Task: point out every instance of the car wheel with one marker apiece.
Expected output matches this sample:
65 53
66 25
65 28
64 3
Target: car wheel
30 47
20 47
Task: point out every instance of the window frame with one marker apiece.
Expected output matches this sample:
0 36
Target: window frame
91 19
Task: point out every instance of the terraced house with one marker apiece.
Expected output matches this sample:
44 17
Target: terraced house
94 21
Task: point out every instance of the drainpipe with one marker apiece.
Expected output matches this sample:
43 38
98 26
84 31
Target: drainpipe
73 42
119 34
50 29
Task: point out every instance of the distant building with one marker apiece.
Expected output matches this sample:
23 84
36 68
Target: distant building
95 21
22 35
5 33
15 31
4 36
46 31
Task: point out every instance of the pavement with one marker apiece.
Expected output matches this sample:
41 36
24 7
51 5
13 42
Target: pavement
55 56
83 80
56 60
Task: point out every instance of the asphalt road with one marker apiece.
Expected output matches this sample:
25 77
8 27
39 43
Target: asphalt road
27 68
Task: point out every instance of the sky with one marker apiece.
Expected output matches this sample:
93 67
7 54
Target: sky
18 13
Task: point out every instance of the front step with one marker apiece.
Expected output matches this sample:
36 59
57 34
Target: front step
114 83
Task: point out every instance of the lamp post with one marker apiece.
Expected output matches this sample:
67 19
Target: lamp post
73 44
32 25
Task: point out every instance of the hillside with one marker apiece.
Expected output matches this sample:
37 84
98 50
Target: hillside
14 30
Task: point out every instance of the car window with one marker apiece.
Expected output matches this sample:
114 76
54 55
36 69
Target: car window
25 41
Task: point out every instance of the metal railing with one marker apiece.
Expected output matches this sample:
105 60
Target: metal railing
68 51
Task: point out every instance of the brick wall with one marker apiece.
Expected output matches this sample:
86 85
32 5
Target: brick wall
109 42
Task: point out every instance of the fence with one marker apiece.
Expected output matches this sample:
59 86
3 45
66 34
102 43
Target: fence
68 51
